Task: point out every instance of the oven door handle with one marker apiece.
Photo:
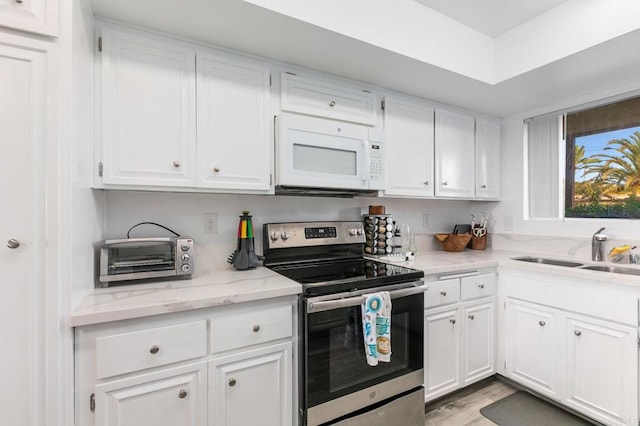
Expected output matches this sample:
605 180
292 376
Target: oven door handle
329 305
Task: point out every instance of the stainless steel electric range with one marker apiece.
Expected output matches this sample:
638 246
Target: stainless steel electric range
336 384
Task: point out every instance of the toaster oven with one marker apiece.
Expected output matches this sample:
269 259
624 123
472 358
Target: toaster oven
133 259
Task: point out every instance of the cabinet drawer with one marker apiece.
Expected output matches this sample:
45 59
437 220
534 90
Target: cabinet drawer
126 352
250 327
327 98
442 292
478 286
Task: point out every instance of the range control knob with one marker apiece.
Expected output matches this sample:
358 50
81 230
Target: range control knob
186 267
185 257
360 231
352 231
274 235
285 235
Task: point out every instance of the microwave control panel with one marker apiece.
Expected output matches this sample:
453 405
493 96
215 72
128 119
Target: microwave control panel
376 166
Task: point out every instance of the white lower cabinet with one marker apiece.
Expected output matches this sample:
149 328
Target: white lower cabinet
179 369
459 334
251 388
175 396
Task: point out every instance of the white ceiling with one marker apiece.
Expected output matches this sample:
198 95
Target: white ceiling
491 17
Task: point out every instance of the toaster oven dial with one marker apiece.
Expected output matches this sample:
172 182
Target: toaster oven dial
185 267
185 257
185 247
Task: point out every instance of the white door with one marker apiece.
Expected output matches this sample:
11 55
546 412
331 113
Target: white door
408 127
235 133
533 351
442 348
454 154
29 302
176 396
252 388
478 341
487 159
148 110
602 370
35 16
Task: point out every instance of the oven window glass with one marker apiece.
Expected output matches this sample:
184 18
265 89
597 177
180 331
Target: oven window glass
127 259
336 364
322 159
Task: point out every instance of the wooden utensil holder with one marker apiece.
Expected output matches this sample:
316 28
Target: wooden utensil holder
453 242
479 243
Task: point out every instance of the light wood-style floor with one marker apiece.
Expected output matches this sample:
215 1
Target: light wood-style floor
463 408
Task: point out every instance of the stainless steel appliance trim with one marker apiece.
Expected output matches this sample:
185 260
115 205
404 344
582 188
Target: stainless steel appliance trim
405 410
296 237
138 241
139 275
315 305
354 401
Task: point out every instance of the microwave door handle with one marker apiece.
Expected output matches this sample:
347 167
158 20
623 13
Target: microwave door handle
329 305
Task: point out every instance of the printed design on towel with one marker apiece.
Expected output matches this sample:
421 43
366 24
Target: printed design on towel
376 326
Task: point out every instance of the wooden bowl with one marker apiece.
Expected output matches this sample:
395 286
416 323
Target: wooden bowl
453 242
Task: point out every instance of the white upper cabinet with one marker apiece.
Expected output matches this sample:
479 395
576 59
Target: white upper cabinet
454 154
148 110
34 16
487 159
329 98
408 126
234 130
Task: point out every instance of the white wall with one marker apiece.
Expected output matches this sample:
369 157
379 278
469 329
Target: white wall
182 212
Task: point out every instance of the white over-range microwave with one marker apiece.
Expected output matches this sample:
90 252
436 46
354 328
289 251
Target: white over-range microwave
320 156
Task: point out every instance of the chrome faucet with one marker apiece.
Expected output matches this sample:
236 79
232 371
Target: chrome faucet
597 246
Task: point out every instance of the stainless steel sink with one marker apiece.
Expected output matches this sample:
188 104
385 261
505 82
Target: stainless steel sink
545 261
614 269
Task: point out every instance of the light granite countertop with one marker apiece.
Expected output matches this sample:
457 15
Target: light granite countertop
225 286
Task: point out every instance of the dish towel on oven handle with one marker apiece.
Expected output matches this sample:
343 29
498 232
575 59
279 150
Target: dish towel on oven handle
376 327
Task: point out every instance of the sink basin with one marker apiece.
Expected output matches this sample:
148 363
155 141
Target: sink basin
546 261
614 269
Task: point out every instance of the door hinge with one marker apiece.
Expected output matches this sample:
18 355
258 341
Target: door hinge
100 169
505 365
99 44
92 402
269 80
382 104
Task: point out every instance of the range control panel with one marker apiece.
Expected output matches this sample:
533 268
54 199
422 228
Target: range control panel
307 234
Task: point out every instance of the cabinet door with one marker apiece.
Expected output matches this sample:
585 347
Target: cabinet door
34 16
252 388
28 306
533 354
148 110
234 131
176 396
487 159
454 154
442 348
408 127
602 370
478 341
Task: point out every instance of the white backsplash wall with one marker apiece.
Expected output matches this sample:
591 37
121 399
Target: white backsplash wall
183 212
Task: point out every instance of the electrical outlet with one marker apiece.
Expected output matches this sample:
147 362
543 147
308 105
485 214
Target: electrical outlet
426 221
210 223
507 223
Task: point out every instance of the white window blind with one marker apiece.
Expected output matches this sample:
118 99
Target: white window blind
544 135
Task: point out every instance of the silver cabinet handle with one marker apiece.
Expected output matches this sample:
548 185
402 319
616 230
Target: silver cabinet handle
176 164
256 328
13 243
471 317
182 394
577 332
232 382
444 293
483 186
154 349
481 285
319 305
452 321
216 169
332 103
542 323
426 183
445 183
19 1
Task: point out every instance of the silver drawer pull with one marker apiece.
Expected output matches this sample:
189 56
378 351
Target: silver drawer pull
471 317
154 349
577 332
216 169
232 382
481 285
332 103
256 328
426 183
542 323
445 183
182 394
13 243
452 321
483 186
176 164
444 293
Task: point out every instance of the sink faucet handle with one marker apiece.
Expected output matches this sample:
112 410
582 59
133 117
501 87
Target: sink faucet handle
599 231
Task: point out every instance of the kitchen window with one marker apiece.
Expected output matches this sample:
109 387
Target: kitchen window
595 151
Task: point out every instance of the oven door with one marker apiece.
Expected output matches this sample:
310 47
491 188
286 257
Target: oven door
337 380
